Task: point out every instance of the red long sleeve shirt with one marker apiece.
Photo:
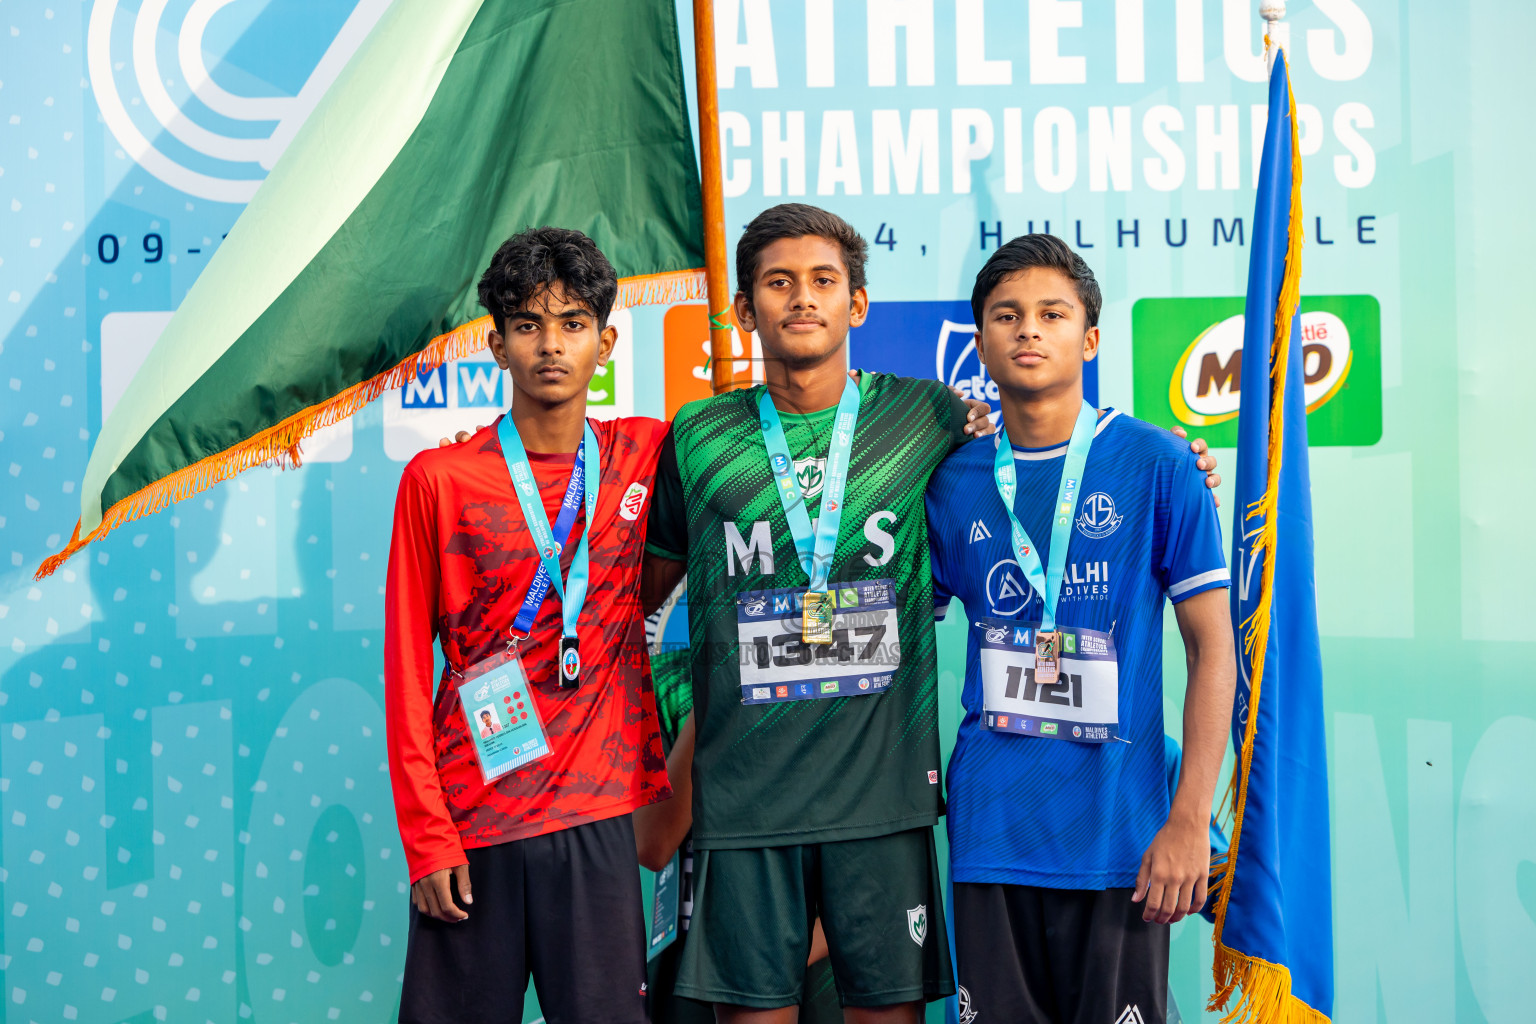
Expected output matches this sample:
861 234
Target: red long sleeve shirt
460 562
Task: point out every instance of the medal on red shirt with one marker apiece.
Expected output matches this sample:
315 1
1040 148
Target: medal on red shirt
496 696
582 490
570 663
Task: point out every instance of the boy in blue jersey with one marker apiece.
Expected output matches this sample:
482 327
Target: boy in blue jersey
1069 858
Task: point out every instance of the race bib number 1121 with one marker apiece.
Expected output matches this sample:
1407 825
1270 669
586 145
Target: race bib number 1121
777 665
1082 703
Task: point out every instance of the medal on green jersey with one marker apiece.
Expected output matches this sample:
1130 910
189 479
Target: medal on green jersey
815 548
1047 581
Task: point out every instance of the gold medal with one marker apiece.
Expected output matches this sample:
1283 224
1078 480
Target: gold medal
1047 657
816 621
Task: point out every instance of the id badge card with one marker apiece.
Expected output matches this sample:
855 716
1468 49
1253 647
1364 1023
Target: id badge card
665 905
502 718
1081 703
859 659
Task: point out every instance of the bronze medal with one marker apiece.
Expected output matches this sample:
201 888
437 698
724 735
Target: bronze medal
1047 657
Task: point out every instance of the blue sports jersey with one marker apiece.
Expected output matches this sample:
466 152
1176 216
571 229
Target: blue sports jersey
1027 810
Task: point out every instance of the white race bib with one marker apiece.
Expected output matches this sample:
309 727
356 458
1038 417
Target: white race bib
1084 702
776 665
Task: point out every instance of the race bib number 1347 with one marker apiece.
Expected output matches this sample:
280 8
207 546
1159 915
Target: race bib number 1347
777 665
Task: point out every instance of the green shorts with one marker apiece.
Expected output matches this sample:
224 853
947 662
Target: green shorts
879 900
818 1004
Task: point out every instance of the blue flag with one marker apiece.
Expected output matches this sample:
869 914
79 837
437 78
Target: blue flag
1274 934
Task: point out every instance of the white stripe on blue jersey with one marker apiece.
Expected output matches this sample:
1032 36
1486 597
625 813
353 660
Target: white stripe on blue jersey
1032 811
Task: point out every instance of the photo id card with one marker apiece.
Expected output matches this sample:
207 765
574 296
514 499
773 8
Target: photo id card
502 717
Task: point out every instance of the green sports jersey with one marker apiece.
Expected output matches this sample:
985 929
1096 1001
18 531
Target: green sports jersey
809 768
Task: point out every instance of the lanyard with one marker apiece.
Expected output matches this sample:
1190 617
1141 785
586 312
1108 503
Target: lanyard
583 485
1047 583
815 553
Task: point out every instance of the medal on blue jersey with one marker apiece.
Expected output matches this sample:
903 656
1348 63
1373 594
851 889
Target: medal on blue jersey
1047 580
582 489
815 549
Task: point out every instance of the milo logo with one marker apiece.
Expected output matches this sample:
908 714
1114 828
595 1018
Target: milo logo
1206 384
1188 362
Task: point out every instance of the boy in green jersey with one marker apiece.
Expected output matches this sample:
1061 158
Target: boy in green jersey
816 760
816 765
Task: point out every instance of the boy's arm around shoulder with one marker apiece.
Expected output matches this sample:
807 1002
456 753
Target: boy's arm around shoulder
426 829
962 417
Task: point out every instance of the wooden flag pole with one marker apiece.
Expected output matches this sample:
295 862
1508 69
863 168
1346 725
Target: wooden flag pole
716 278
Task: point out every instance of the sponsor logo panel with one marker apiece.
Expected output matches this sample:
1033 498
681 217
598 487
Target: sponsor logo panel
933 340
1187 359
469 393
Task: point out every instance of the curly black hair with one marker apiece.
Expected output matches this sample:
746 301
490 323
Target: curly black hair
1029 251
797 220
536 259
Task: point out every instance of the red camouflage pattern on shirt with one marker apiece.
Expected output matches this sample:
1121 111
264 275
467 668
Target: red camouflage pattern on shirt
461 559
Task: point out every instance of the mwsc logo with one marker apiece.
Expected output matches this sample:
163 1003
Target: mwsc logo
1188 361
468 393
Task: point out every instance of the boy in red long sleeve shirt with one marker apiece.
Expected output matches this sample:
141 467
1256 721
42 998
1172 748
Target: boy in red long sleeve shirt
522 858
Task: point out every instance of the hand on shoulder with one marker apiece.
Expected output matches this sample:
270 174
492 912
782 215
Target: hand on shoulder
460 437
1207 461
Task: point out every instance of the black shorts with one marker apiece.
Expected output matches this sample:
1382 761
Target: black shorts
1058 956
563 907
879 900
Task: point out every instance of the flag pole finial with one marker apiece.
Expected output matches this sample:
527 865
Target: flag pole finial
1273 12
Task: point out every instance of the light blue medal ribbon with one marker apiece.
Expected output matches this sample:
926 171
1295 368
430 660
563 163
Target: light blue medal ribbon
814 548
1047 581
572 591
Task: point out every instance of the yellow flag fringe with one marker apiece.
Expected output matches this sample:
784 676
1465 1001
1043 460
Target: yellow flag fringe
1266 991
280 443
1266 996
668 289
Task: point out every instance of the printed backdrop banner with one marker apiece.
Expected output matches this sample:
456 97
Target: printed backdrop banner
195 823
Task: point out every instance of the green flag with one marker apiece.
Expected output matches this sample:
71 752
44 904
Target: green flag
354 267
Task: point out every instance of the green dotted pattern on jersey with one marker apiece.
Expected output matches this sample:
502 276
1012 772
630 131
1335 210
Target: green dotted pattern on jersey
674 695
823 769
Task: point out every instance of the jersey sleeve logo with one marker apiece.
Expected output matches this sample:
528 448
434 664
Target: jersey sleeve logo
633 501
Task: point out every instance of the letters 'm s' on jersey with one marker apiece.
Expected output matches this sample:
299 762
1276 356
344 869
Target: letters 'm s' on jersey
807 770
1030 811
